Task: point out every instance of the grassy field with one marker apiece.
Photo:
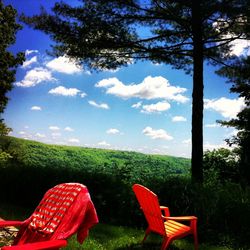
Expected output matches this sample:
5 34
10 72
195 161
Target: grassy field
110 237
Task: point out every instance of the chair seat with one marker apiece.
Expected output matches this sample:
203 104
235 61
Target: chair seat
175 228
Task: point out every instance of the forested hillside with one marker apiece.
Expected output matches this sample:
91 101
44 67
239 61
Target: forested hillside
33 167
39 155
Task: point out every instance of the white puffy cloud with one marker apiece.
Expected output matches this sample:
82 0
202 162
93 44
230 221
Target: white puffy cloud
27 63
28 52
187 141
113 131
56 134
137 105
104 144
209 146
150 88
74 140
228 108
157 107
101 106
36 108
54 128
39 135
83 94
65 65
36 76
157 134
240 47
69 129
212 125
179 119
61 90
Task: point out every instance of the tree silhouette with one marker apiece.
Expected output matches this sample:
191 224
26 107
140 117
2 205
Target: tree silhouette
8 61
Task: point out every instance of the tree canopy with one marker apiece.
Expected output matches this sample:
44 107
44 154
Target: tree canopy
108 34
8 61
239 75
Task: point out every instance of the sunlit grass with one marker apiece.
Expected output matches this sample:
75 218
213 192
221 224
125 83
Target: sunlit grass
107 237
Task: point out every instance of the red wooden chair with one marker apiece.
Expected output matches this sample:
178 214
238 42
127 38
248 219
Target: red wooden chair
159 220
65 209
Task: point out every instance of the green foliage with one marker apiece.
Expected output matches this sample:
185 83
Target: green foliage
239 75
8 61
221 165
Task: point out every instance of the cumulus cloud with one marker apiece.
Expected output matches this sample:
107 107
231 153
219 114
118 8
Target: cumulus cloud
36 108
104 144
157 133
54 128
113 131
65 65
74 140
150 88
28 52
156 108
179 119
209 146
56 134
61 90
27 63
83 95
69 129
240 47
39 135
212 125
228 108
137 105
101 106
187 141
35 76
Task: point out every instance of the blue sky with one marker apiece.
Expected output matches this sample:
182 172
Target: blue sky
143 107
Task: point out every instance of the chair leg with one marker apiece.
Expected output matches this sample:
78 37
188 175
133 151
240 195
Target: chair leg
195 241
166 242
146 234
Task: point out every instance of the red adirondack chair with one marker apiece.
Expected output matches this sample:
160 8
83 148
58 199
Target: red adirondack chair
159 220
65 209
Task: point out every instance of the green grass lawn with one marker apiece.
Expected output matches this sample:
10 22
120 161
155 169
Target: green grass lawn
107 237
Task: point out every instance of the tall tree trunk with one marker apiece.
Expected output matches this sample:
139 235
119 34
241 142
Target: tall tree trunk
198 87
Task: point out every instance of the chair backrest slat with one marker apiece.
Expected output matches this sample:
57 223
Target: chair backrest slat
150 206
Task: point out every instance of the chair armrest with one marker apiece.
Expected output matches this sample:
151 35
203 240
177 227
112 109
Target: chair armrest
181 218
50 244
165 211
10 223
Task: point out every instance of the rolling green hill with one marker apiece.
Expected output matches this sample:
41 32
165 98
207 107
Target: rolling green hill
39 155
34 167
